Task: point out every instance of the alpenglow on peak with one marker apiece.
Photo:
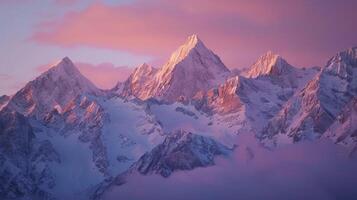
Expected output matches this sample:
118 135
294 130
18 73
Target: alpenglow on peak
269 64
192 42
191 68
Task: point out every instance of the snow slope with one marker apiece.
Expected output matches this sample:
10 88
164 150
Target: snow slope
75 135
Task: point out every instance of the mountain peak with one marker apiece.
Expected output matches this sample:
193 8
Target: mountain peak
66 60
65 70
64 65
191 68
138 83
192 40
192 50
144 71
269 64
55 87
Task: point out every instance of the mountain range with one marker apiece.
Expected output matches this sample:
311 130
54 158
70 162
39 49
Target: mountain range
61 129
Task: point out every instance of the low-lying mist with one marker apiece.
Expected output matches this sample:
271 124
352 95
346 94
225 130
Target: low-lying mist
307 170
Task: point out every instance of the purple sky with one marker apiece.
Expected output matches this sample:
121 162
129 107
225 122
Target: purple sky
106 37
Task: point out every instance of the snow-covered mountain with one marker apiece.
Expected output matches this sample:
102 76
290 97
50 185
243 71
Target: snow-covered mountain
64 113
60 129
250 100
190 69
269 64
52 90
279 71
139 82
311 111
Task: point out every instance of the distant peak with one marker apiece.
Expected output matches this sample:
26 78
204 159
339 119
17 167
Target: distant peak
269 64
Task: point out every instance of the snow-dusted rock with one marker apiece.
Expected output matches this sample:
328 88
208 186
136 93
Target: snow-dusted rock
54 88
180 151
269 64
191 68
139 82
279 71
312 111
24 171
256 96
60 120
344 129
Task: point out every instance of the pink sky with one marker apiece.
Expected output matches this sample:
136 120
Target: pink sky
306 32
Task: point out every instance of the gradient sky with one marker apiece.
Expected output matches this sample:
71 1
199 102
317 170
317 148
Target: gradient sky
107 38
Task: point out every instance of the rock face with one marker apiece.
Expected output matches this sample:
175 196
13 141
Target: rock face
190 69
312 111
139 82
180 151
24 170
344 129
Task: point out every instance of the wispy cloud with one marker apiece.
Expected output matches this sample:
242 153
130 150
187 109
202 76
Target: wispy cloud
306 32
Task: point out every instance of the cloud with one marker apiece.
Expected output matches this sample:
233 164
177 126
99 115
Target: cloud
104 75
309 170
305 32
